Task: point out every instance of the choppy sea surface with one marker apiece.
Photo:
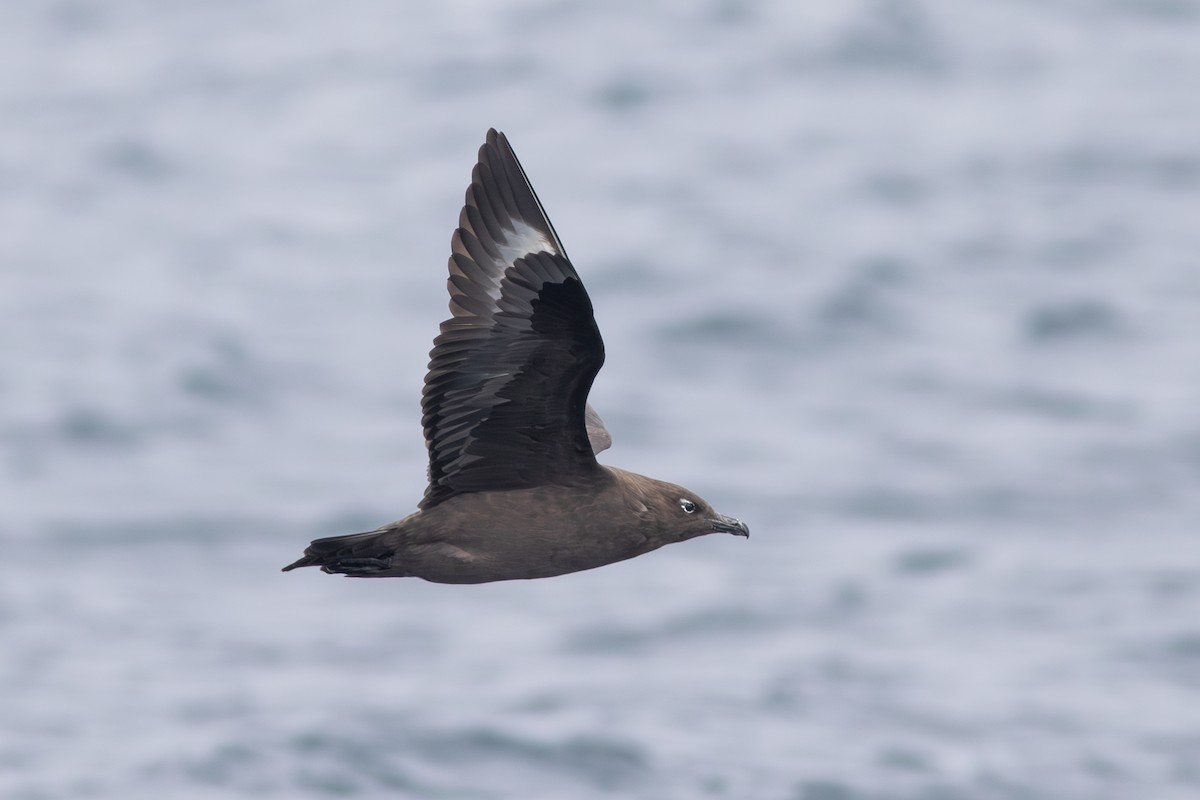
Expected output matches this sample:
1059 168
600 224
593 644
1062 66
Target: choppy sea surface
911 287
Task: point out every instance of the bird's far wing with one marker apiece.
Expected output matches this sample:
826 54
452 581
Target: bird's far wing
597 433
506 392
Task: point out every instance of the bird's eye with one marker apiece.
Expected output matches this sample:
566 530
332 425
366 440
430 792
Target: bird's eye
687 505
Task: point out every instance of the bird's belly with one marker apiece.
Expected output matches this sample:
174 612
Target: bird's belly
519 553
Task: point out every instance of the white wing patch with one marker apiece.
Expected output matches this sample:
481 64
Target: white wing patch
522 240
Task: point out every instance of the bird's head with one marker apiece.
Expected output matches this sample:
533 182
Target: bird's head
681 514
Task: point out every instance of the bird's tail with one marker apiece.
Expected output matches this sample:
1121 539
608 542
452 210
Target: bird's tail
356 554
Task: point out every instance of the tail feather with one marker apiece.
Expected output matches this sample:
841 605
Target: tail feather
352 554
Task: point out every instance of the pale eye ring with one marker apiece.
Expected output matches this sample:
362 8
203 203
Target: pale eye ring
687 505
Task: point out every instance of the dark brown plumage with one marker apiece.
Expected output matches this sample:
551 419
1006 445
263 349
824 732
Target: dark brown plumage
514 487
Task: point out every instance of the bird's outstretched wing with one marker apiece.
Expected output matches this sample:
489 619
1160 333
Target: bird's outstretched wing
505 398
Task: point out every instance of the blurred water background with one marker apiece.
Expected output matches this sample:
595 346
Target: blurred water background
909 285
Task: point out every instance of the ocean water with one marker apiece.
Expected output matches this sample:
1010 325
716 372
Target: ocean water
911 287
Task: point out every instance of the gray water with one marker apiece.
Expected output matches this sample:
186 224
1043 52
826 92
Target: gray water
912 287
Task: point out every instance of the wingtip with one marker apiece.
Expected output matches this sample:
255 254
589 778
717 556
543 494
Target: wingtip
497 143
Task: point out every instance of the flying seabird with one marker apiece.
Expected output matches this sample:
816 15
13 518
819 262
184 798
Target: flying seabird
515 490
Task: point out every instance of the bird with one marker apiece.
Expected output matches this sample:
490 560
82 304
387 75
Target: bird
515 491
